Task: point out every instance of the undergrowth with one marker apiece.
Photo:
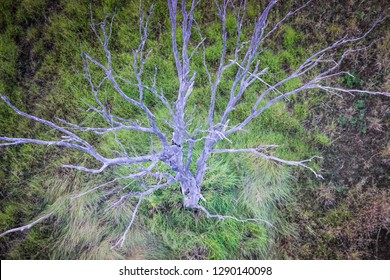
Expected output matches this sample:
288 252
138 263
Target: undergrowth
46 85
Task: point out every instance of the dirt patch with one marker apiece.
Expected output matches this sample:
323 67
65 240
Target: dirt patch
348 216
382 244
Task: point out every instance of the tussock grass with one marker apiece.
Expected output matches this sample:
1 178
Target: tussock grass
242 186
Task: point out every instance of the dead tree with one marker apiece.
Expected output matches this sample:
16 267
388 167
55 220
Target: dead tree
175 149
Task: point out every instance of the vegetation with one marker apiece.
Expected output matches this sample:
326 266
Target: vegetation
39 50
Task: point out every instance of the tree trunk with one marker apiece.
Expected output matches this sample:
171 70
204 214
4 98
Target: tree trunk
191 191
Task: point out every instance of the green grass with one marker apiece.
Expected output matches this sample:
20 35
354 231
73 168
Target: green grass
242 186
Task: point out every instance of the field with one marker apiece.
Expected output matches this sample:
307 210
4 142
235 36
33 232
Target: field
346 215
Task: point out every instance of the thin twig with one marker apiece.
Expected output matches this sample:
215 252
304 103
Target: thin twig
26 227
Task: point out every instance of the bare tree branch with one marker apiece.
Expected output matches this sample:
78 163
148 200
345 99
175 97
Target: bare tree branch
267 157
123 238
222 217
26 227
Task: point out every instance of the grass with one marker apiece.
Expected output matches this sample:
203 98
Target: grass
243 186
82 228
